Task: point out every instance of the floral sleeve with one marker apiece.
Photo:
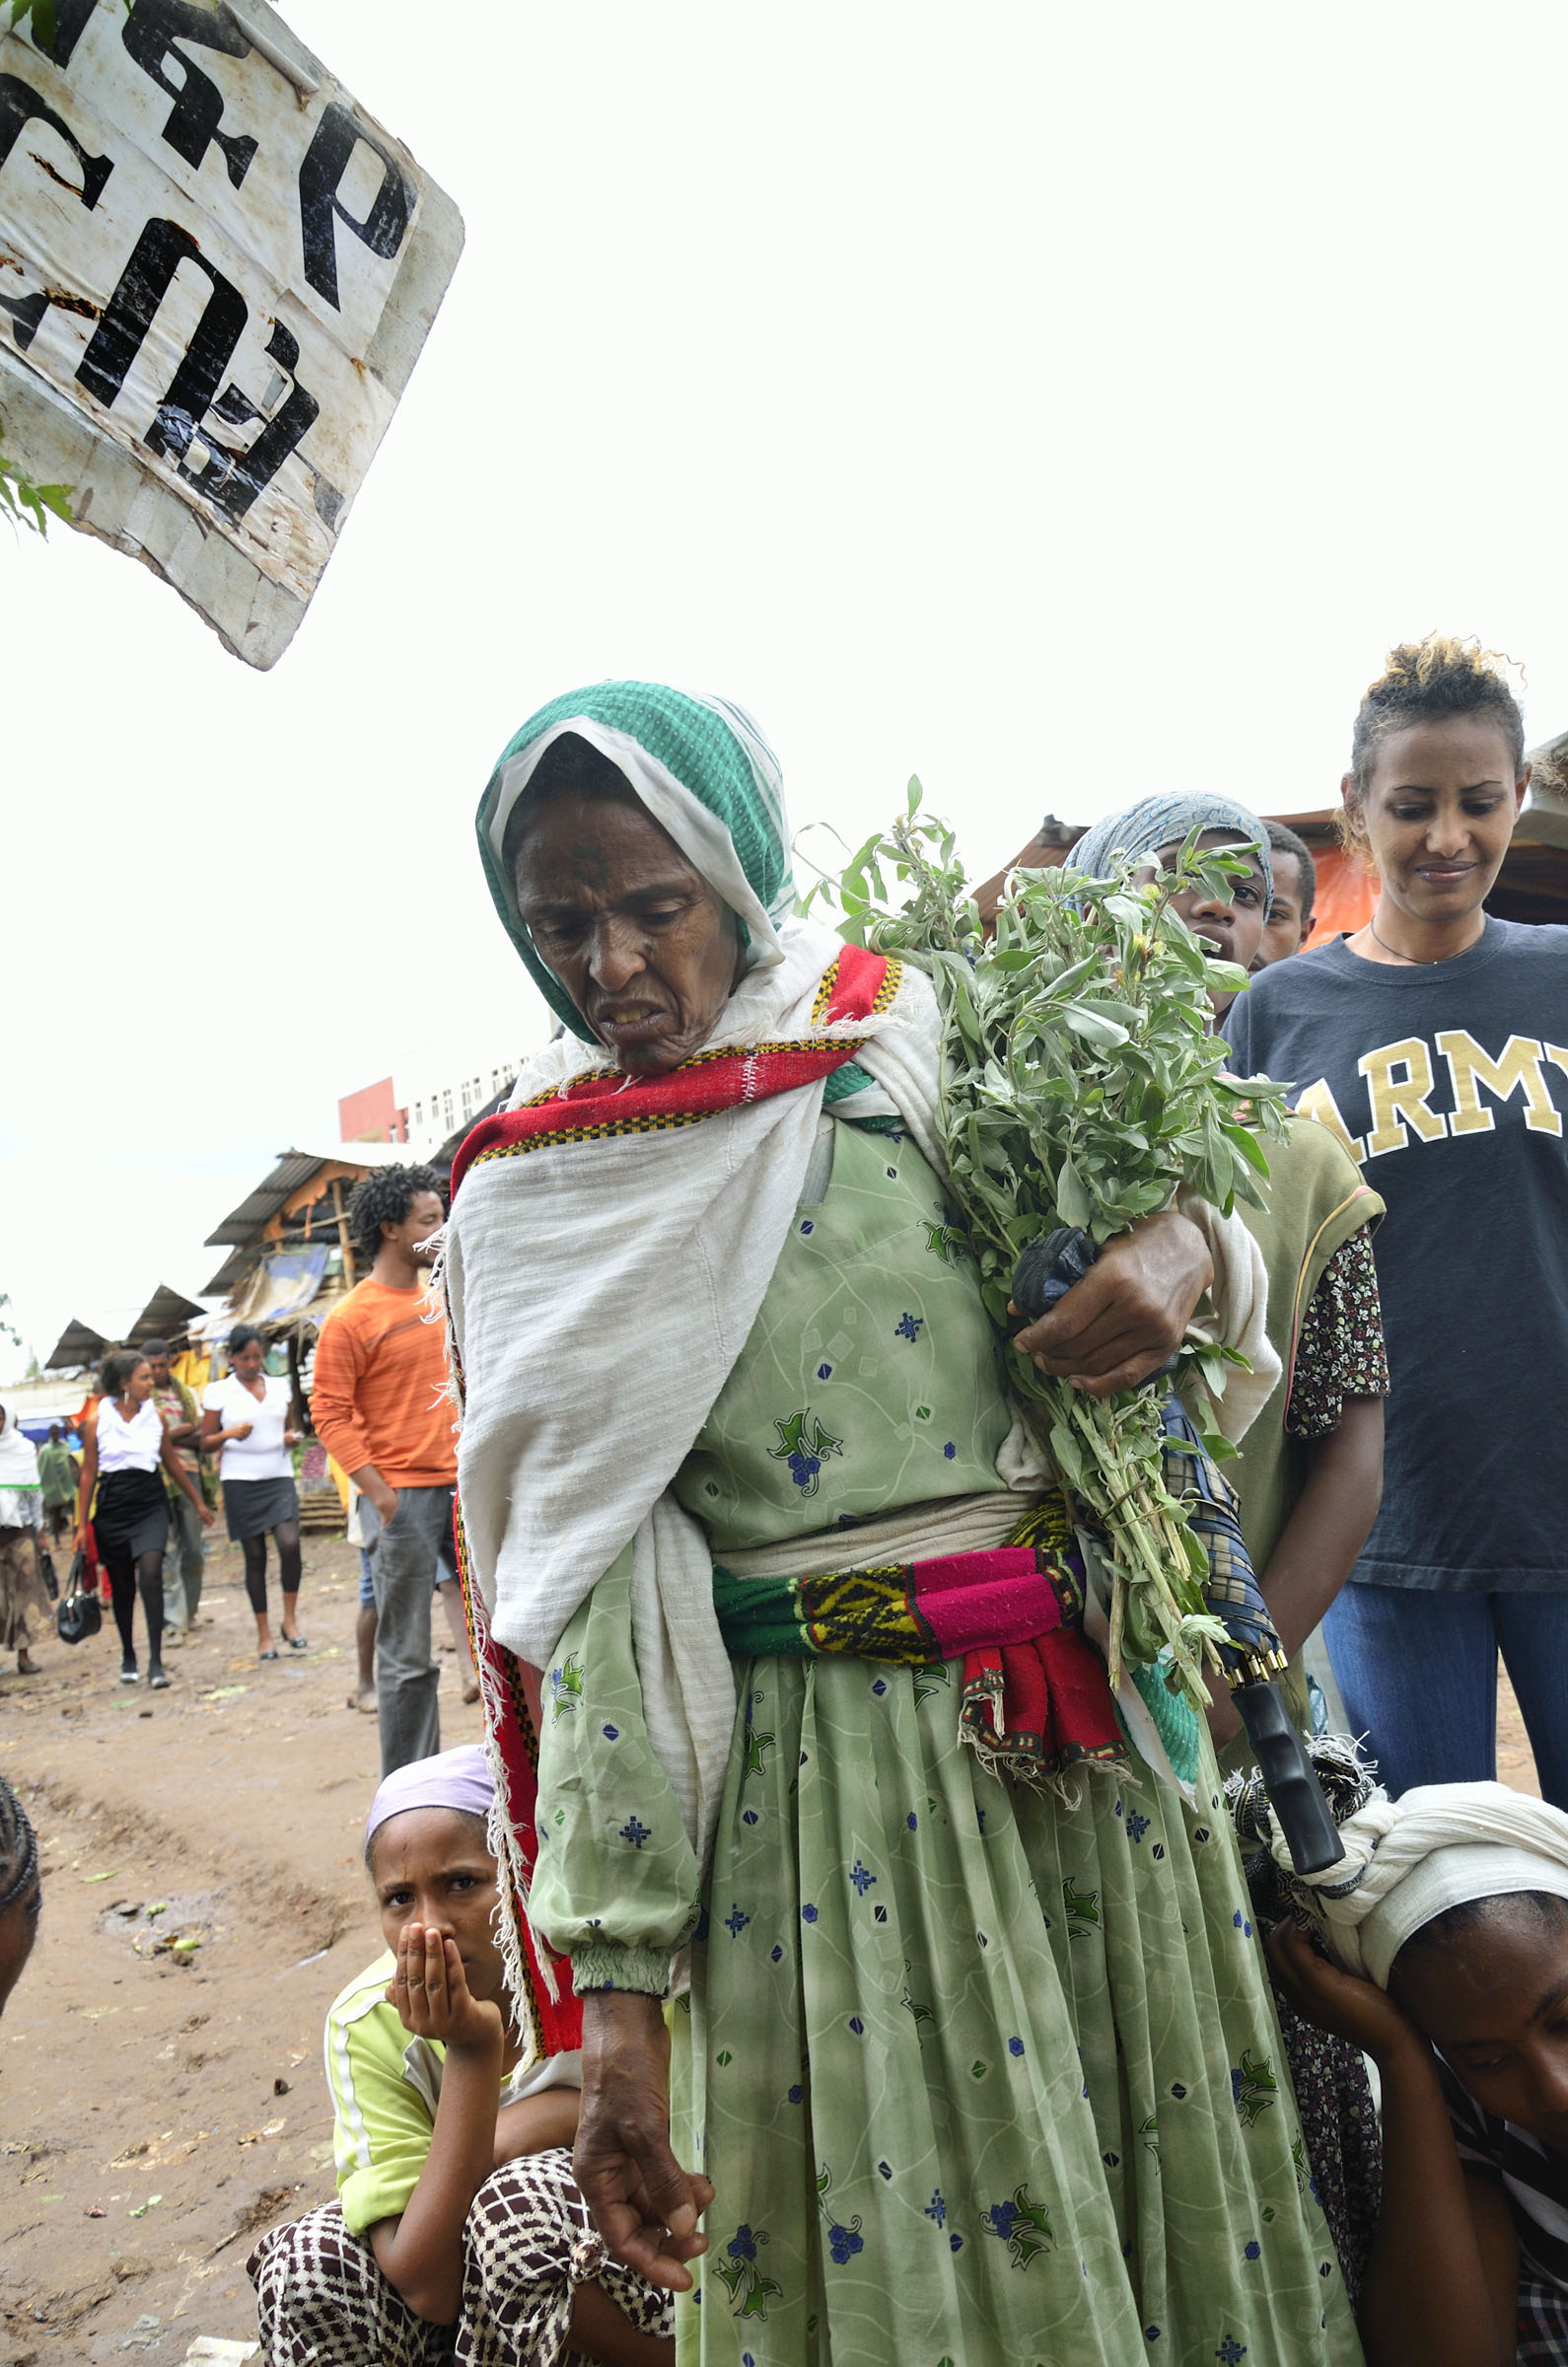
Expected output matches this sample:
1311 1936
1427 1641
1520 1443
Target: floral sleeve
617 1883
1340 1353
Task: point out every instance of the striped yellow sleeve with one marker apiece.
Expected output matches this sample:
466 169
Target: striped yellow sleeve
384 2088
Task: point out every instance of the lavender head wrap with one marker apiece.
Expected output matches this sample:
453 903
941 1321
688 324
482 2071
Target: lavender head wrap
1157 821
459 1778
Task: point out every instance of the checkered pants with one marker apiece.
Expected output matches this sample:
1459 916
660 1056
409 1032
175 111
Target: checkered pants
529 2243
1542 2324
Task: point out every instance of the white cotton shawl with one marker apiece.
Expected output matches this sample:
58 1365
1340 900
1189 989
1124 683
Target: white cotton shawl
19 1456
1410 1859
598 1294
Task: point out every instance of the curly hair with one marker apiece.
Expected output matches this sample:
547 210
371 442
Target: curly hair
1425 682
19 1856
385 1197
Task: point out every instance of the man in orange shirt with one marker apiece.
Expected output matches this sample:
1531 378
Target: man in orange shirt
380 1405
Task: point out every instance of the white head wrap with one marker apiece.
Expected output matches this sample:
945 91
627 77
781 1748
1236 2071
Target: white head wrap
19 1456
1408 1860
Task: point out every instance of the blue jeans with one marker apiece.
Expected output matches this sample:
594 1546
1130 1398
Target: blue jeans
1418 1672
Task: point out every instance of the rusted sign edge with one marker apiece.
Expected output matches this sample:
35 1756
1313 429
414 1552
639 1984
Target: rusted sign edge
170 529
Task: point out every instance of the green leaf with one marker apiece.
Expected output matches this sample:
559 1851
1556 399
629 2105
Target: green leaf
1083 1019
1241 1139
1072 1200
1066 1455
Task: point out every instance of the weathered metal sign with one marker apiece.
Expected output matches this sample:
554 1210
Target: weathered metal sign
216 274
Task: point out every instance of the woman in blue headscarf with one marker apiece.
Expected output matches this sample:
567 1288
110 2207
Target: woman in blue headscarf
1231 920
1310 1471
968 2064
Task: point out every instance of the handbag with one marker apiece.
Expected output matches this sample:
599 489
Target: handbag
51 1584
78 1614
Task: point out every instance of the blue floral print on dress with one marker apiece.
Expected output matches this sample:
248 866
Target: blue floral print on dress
749 2290
1021 2225
804 1449
842 2242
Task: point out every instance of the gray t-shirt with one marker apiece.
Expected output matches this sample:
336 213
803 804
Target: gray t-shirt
1448 1084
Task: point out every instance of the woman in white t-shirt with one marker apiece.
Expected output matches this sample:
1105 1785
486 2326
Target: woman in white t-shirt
246 1415
126 1451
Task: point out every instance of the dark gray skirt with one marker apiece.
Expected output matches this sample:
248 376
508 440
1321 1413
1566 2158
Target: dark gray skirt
252 1506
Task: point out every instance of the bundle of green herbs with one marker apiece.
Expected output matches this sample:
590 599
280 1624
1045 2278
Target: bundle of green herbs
1082 1086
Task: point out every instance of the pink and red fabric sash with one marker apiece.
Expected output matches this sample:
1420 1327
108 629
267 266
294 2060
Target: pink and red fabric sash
1035 1698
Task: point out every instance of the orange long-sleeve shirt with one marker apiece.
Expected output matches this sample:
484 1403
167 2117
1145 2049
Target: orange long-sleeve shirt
379 1391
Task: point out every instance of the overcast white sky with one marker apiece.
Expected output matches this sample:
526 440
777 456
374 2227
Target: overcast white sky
1056 401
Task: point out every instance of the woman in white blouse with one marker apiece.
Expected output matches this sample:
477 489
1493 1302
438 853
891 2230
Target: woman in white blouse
246 1415
126 1449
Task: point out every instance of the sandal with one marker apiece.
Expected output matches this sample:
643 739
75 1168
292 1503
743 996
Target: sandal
297 1643
27 1666
271 1652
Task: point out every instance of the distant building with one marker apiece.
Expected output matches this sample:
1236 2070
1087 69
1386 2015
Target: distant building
433 1091
372 1116
438 1094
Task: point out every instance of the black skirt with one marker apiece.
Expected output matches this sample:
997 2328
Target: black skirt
132 1515
252 1506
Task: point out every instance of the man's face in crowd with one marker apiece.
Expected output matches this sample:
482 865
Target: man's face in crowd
1286 928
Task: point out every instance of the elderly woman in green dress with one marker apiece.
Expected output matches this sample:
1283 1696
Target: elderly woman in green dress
911 1963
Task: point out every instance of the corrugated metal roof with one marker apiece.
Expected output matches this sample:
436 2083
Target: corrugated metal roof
231 1273
78 1344
166 1312
245 1224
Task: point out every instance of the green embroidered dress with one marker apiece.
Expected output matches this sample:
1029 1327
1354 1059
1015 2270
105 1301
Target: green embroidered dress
984 2076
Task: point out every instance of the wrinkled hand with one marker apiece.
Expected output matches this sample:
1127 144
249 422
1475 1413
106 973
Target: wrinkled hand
1130 1310
431 1992
644 2204
1335 2001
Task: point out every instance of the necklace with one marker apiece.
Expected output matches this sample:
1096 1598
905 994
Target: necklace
1411 959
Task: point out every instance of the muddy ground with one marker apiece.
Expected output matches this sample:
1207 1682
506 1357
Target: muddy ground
161 2103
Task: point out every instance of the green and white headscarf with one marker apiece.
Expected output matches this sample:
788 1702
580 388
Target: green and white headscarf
704 773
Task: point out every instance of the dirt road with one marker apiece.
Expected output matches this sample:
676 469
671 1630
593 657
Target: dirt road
160 2102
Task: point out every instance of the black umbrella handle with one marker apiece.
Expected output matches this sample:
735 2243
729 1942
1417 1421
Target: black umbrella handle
1294 1792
